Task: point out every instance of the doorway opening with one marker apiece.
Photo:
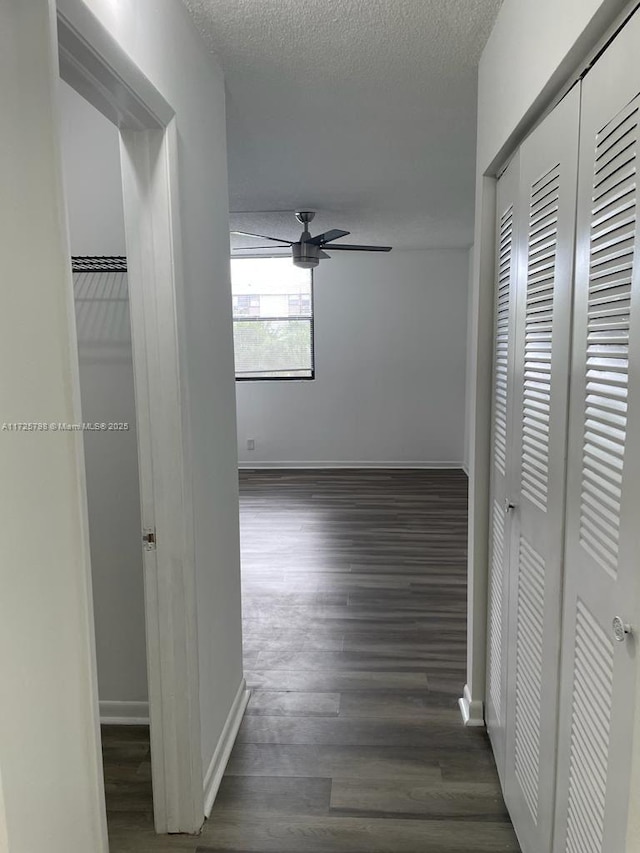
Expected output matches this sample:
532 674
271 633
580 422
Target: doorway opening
95 209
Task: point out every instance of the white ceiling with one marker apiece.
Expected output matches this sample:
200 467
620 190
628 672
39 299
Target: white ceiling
363 110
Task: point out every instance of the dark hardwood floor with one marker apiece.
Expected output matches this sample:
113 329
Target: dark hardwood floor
354 627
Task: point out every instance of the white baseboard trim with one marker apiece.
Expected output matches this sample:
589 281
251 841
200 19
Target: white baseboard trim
124 713
216 768
328 464
472 710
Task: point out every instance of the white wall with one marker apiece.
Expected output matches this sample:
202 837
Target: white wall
534 47
111 459
50 761
93 188
390 350
93 181
4 838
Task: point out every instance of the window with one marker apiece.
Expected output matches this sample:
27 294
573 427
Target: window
272 319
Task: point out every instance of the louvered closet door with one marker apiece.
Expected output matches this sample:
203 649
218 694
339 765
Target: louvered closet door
501 464
603 497
548 178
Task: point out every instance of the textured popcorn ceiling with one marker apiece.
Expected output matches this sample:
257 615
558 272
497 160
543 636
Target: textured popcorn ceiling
363 110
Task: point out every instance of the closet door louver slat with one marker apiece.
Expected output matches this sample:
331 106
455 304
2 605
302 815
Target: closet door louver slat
501 367
590 727
496 608
538 339
529 662
612 240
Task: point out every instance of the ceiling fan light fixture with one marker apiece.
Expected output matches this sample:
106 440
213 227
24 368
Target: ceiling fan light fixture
306 263
305 255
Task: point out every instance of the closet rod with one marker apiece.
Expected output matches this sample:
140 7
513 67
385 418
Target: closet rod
98 263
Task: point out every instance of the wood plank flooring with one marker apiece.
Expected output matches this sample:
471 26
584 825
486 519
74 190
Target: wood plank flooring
354 587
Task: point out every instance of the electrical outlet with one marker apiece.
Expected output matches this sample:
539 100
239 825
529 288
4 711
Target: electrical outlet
251 444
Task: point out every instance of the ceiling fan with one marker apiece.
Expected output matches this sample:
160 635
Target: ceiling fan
307 251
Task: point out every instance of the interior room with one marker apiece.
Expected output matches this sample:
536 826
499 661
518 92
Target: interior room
352 565
386 391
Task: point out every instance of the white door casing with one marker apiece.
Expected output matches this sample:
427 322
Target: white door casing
548 176
149 191
501 452
603 489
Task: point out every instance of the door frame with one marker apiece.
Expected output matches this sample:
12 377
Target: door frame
97 67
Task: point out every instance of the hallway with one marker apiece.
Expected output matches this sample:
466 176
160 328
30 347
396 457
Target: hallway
354 620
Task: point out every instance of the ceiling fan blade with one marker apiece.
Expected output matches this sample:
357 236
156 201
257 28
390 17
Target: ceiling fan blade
322 254
321 239
344 247
262 237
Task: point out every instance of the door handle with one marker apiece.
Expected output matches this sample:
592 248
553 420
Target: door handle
621 630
